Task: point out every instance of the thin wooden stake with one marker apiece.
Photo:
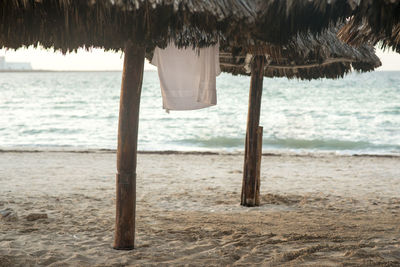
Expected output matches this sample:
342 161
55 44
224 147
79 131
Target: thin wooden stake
131 88
258 170
249 185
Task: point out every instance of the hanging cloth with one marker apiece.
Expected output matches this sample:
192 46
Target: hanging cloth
187 76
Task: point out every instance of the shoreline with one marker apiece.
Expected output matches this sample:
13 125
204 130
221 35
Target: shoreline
196 152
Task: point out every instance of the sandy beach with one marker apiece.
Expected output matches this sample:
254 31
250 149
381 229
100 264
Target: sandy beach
316 210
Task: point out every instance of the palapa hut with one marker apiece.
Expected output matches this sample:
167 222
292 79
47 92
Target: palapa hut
374 22
137 25
305 56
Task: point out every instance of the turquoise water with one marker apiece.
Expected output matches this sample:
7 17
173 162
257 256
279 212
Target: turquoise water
358 114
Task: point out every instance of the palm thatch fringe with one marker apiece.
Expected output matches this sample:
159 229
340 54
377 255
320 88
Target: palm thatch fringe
69 24
306 56
374 22
382 16
357 34
280 20
332 71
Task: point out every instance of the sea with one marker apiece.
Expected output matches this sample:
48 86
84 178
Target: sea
359 114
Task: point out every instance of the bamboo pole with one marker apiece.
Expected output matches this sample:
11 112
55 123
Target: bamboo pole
249 184
131 87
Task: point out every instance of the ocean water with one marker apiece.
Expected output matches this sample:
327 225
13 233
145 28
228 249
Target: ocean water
359 114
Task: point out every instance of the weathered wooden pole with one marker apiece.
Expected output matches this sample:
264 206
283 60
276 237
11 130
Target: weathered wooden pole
252 157
258 168
131 88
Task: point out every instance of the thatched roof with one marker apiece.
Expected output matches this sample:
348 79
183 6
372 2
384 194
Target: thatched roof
306 56
374 22
69 24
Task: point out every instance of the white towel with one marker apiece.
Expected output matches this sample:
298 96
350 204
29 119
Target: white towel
187 76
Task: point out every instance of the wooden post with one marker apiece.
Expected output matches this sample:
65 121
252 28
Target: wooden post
249 185
258 169
131 87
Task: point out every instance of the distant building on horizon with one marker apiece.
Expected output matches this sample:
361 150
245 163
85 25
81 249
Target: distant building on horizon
4 65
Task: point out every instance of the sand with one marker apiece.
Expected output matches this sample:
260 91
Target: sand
317 210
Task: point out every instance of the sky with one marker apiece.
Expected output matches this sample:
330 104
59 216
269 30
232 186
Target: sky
98 59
